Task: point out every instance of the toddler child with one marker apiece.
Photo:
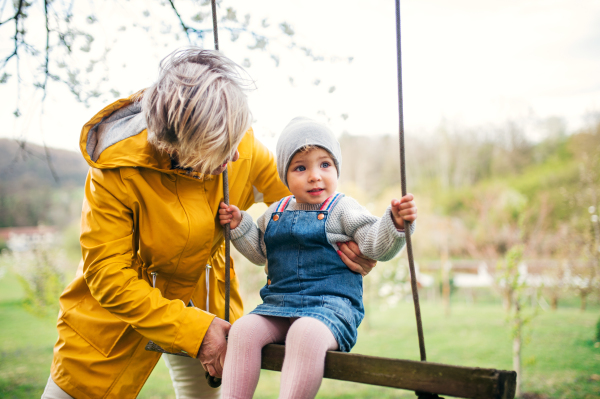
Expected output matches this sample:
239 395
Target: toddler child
312 301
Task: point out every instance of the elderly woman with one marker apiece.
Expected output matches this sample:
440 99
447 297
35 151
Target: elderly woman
153 255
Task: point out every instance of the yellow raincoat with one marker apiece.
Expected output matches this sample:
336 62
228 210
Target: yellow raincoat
143 221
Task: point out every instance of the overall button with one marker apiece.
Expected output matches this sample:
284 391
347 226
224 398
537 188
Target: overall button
321 216
275 218
269 282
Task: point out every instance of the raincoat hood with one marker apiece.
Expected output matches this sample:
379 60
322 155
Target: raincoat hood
117 137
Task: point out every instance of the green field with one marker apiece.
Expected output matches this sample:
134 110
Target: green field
560 358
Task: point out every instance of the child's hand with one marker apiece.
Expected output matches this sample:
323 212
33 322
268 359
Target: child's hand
230 214
402 210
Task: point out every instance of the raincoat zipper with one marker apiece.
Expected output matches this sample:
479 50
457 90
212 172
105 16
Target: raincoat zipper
208 267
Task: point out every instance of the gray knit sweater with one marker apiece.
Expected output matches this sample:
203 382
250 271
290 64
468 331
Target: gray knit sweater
376 237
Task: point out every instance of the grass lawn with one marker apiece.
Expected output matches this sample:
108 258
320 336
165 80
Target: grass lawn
560 359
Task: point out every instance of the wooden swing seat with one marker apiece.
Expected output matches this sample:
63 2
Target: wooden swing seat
418 376
441 379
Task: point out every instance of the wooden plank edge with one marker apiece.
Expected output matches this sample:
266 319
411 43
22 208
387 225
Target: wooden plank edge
507 384
442 379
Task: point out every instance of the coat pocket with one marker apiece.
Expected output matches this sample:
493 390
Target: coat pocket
217 262
96 325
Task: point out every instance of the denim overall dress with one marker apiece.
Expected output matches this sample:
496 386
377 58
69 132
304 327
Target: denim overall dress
306 277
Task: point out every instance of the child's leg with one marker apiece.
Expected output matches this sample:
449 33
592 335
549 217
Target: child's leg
306 345
246 339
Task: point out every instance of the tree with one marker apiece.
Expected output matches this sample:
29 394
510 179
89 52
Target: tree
514 280
58 45
584 202
41 272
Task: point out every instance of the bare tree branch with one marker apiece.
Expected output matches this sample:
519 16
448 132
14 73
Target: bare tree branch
24 150
46 66
45 91
14 53
8 20
18 13
16 18
50 165
185 28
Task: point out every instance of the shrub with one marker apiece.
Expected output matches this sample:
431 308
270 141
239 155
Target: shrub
40 272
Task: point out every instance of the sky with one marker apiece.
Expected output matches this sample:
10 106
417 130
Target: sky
466 63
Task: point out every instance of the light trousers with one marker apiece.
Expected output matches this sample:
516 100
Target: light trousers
187 374
189 379
53 391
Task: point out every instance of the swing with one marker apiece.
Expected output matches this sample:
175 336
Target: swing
425 378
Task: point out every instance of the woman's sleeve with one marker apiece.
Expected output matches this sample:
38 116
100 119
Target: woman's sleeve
267 186
107 243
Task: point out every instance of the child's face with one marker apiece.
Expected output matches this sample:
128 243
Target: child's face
312 176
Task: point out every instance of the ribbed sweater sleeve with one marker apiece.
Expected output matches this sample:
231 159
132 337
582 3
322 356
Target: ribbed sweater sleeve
248 238
377 238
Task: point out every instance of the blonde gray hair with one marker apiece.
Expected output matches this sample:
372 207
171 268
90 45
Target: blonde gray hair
197 108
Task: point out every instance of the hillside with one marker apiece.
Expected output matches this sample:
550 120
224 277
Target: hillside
29 195
29 163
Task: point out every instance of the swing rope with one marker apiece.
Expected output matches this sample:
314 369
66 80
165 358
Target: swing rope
227 230
215 382
407 225
411 263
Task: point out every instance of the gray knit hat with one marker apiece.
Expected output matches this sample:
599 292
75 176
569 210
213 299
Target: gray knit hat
299 133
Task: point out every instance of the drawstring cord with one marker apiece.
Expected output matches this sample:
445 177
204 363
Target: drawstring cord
208 267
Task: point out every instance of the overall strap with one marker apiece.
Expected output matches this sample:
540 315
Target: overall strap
283 204
330 202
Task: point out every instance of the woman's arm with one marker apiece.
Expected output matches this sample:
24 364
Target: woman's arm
354 259
108 233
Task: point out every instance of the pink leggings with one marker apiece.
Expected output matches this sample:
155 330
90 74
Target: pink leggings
307 342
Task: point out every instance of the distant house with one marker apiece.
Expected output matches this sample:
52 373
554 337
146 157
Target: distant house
482 279
24 238
472 273
466 273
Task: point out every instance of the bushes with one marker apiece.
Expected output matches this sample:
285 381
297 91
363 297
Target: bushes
41 274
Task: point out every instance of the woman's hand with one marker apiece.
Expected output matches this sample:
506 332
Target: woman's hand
354 259
402 210
214 347
230 214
